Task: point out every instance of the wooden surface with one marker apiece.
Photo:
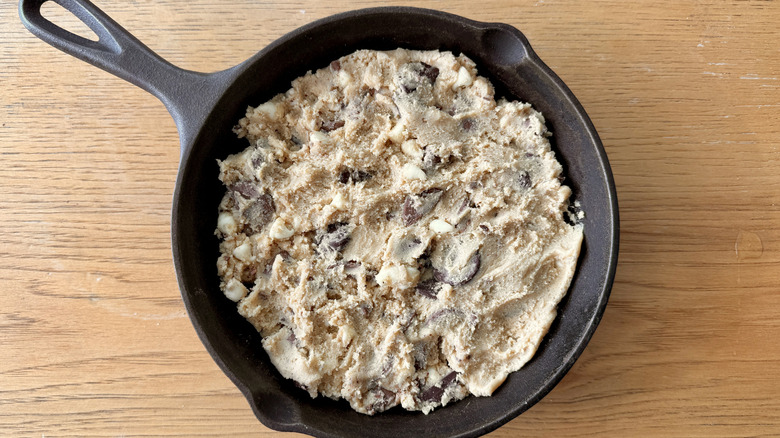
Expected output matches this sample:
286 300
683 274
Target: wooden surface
94 339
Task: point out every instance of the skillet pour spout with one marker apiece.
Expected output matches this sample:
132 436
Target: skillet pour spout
206 106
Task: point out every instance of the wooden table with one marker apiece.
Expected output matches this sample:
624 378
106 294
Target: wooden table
94 339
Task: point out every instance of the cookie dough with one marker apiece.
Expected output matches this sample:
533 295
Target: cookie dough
396 235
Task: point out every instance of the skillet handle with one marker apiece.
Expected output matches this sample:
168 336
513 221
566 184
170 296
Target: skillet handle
187 95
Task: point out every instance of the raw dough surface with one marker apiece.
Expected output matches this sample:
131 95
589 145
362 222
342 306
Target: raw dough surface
395 234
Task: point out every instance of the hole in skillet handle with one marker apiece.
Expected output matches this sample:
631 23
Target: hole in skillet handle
59 16
517 74
109 34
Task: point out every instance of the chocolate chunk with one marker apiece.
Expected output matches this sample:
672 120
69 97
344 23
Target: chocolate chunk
360 176
429 72
335 65
473 320
355 176
448 379
260 212
295 144
428 288
424 261
410 214
248 276
333 239
387 393
257 160
441 314
422 73
464 205
572 216
457 277
330 125
435 393
351 264
420 354
414 243
464 223
383 399
387 366
466 124
245 189
258 157
432 394
524 180
409 320
417 206
430 160
365 309
345 176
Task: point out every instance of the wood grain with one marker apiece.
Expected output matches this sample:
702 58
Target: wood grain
94 338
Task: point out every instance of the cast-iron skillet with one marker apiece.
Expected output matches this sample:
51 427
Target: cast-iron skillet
206 106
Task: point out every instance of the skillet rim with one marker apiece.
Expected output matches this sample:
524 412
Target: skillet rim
605 173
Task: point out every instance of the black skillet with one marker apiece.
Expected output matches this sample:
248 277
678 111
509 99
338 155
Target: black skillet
206 106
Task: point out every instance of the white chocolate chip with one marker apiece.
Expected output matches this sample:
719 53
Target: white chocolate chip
243 252
397 134
347 333
319 137
280 230
344 78
234 290
226 223
464 79
412 149
564 192
401 276
269 108
441 226
410 172
389 274
339 202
